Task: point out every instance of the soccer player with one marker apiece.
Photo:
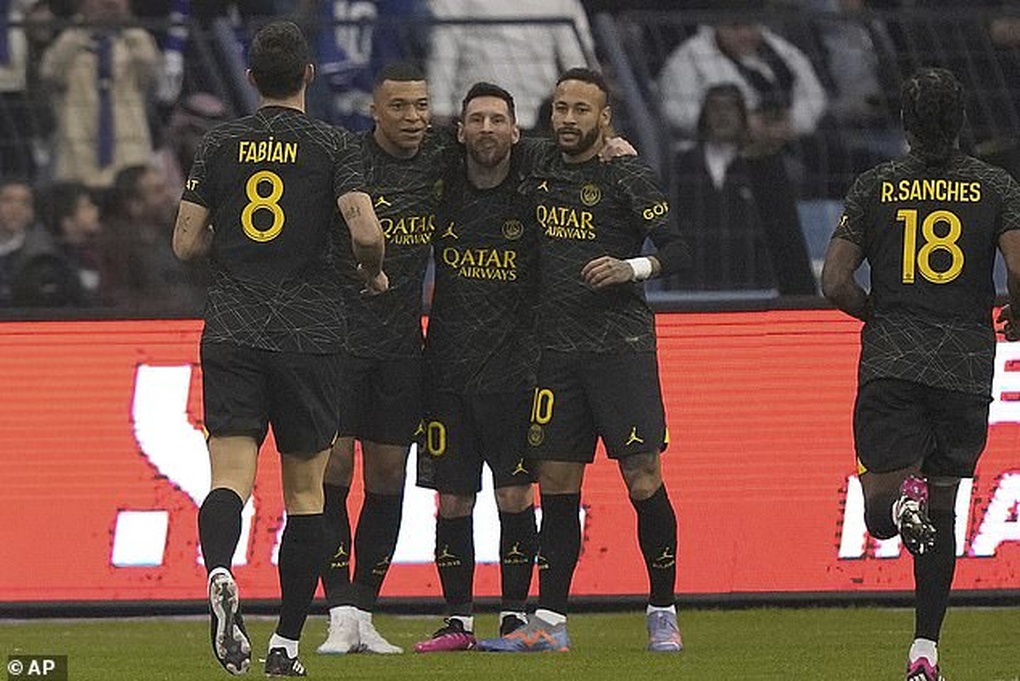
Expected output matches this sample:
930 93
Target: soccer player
260 199
381 403
928 225
481 358
598 374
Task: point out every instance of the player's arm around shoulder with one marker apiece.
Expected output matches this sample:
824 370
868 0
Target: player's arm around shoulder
367 239
192 232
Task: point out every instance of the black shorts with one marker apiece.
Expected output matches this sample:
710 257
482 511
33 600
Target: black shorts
585 395
899 423
246 390
463 431
381 399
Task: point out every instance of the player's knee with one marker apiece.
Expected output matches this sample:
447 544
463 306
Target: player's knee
642 474
456 505
385 479
305 501
514 499
339 471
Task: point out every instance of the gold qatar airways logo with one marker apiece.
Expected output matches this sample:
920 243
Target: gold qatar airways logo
513 229
590 194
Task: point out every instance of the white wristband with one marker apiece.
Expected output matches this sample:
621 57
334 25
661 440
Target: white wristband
641 268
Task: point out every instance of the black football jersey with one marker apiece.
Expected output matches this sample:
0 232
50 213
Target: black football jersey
405 193
583 211
270 182
481 326
929 235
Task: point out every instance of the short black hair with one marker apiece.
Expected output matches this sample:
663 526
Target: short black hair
483 89
62 202
9 180
728 90
277 58
124 188
933 112
402 71
586 75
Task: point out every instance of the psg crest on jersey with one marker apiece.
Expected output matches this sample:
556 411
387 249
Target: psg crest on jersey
590 194
513 229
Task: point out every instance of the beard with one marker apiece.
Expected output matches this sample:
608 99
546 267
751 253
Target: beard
584 142
489 155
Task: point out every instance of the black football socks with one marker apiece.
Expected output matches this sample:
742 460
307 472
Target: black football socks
455 562
336 572
301 552
219 527
933 576
559 547
517 543
656 521
374 543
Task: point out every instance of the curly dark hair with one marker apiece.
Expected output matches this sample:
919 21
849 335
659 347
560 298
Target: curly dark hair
933 113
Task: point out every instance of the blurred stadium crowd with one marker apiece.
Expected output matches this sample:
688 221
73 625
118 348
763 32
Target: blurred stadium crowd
758 113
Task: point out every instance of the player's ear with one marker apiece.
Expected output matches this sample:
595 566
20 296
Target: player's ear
460 130
606 117
515 134
309 73
251 78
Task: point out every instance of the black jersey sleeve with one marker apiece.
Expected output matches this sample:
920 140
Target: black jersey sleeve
852 224
196 188
1009 216
649 207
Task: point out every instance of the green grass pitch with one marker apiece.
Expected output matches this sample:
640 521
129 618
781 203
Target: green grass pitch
978 644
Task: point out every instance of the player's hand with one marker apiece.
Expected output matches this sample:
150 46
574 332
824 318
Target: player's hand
607 271
616 147
373 285
1010 327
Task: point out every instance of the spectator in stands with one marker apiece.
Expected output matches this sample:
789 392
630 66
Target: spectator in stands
40 32
101 73
191 118
980 49
738 206
140 270
992 75
351 56
32 274
525 59
72 217
780 86
15 123
855 59
172 37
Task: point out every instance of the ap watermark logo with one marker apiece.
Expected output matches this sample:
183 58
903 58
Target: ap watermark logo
49 667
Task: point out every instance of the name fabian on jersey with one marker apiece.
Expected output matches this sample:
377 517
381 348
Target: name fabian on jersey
565 222
931 190
482 263
267 150
413 230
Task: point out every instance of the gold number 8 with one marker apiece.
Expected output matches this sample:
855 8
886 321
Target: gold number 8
257 201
